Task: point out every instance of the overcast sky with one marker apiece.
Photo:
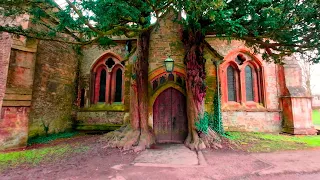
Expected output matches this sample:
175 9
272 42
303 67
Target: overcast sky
315 79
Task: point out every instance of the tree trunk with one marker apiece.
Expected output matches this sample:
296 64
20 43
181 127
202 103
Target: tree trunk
137 136
195 86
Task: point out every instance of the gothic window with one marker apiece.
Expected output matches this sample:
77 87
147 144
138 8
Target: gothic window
102 84
155 84
170 77
249 83
162 80
107 79
242 81
231 80
118 94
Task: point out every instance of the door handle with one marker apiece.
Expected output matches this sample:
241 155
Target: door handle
174 122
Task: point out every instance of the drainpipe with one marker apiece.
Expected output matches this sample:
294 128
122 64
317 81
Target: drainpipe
217 63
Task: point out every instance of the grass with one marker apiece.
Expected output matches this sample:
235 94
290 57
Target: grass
316 117
50 137
263 142
34 157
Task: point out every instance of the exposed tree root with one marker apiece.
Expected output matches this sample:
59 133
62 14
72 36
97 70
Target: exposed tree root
127 138
212 140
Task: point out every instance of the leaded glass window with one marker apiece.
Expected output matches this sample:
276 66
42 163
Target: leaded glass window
118 94
231 80
102 89
249 84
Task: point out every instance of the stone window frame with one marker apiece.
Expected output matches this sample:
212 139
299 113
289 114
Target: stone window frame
110 79
239 69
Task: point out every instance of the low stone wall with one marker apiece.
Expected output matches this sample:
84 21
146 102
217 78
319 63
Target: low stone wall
100 120
13 127
252 121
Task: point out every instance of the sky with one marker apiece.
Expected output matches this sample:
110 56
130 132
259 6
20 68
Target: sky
315 79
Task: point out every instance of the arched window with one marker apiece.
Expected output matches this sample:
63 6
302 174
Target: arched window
231 81
249 83
241 80
118 93
102 84
107 79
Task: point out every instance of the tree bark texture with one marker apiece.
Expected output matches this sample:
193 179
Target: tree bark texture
137 135
195 83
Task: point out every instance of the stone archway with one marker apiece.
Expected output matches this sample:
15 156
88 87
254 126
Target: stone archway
170 122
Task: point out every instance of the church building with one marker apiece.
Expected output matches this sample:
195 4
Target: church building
46 87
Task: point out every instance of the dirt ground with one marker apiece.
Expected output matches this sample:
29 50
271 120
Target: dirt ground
104 163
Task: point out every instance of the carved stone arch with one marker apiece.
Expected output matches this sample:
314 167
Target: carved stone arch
95 75
102 58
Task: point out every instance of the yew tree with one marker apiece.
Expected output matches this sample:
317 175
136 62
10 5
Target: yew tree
280 28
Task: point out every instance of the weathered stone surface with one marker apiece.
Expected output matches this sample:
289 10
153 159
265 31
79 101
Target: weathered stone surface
165 41
54 89
252 121
13 127
102 117
21 69
5 46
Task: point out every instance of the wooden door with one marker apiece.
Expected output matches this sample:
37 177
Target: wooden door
170 119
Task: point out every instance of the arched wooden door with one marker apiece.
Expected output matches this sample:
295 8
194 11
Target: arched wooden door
169 117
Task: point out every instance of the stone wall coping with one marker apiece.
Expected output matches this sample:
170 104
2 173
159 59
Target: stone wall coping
101 110
23 48
251 110
307 97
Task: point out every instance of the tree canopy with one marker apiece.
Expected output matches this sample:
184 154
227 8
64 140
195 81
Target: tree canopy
281 27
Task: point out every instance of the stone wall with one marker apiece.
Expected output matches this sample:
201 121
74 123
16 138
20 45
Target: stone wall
54 89
264 118
165 41
252 121
5 49
14 127
296 99
18 91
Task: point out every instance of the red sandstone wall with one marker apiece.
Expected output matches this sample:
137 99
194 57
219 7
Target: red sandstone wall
265 119
5 46
14 127
17 99
54 89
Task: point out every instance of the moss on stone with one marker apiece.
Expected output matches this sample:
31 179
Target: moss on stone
106 107
100 127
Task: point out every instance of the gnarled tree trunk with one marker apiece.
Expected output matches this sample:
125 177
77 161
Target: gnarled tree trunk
195 63
137 135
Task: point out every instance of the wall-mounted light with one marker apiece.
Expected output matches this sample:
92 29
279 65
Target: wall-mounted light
169 64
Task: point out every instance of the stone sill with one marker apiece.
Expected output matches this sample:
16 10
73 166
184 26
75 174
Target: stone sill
307 97
100 127
251 110
114 107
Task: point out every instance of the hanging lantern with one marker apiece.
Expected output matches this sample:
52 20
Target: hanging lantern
169 64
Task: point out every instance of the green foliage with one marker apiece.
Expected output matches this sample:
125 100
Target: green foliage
316 117
50 137
216 120
34 157
263 142
280 27
203 124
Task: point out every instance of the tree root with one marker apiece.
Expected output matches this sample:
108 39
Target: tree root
127 138
211 140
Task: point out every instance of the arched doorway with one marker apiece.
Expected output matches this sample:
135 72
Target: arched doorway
169 117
